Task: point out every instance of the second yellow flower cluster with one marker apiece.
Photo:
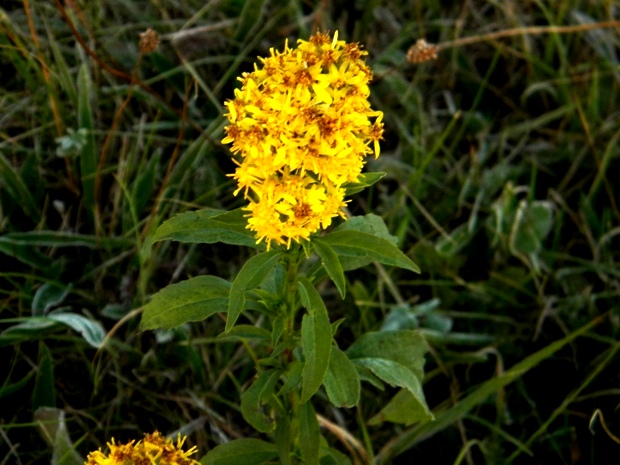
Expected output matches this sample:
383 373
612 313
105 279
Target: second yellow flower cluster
154 449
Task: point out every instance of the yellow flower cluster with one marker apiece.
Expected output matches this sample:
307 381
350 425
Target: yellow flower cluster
154 449
301 124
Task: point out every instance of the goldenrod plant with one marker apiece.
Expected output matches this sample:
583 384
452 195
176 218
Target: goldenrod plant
302 126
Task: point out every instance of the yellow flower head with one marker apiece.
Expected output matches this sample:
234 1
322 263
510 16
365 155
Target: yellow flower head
154 449
302 125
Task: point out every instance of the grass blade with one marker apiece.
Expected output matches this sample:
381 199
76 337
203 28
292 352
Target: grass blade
88 159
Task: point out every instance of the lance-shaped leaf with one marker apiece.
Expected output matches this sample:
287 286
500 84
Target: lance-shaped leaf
245 332
282 436
403 408
309 436
360 244
406 347
48 296
330 262
316 339
371 224
329 456
365 180
341 381
62 239
31 328
396 357
52 426
415 408
208 227
293 377
192 300
90 330
254 272
392 373
245 451
256 397
25 254
44 393
89 155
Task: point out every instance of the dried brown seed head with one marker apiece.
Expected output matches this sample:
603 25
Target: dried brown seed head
422 51
149 40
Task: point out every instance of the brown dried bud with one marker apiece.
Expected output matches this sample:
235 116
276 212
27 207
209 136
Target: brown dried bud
149 40
422 51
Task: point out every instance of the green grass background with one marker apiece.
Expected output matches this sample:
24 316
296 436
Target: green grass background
502 161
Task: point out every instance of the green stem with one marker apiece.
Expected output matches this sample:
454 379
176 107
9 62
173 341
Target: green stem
294 421
292 303
291 289
367 441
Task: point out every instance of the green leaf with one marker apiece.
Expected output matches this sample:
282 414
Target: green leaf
396 357
255 397
309 436
330 262
47 296
9 389
32 328
392 373
277 328
246 332
208 227
341 380
316 339
366 375
396 374
404 408
192 300
293 377
371 224
44 393
280 348
53 428
245 451
269 301
532 223
145 182
89 155
401 317
25 254
91 331
353 263
282 437
331 456
404 316
365 180
441 338
63 239
13 182
406 347
360 244
255 270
